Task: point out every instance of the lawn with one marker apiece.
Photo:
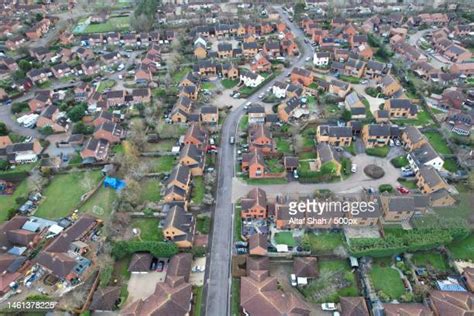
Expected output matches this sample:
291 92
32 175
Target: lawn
237 223
150 190
386 279
101 203
198 190
399 161
407 183
149 230
463 249
164 145
179 75
283 145
285 238
267 181
378 151
307 155
228 83
208 85
430 259
322 243
423 118
235 299
64 193
197 296
351 149
113 24
350 79
274 165
335 280
438 142
163 164
8 201
244 123
203 224
105 84
451 165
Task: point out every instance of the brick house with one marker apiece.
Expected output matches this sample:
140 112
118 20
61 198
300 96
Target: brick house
254 204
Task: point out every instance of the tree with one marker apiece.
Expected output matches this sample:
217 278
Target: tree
131 193
81 128
46 130
346 115
137 136
77 112
3 129
141 23
18 107
4 165
24 65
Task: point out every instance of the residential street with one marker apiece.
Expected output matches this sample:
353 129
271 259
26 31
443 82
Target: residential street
217 289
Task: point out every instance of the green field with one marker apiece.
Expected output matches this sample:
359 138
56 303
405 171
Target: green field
150 190
163 164
335 280
386 279
197 194
423 118
197 296
179 75
229 84
64 193
464 249
8 201
149 230
378 151
101 203
451 165
322 243
285 238
400 161
430 259
113 24
164 145
105 84
203 224
283 145
438 143
208 86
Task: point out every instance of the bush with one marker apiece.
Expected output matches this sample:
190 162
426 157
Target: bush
399 161
19 107
385 188
198 251
105 275
124 248
378 151
46 130
20 200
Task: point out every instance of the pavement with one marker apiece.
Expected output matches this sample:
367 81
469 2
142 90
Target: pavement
218 277
13 126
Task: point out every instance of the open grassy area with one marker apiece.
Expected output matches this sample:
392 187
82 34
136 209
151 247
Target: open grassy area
237 223
163 164
179 75
378 151
386 279
283 145
235 299
101 203
203 224
244 123
8 201
407 183
105 84
121 23
164 145
267 181
438 142
229 84
64 193
430 259
207 85
197 297
307 155
149 230
451 165
198 190
399 161
423 118
150 190
274 165
322 243
463 249
335 280
285 238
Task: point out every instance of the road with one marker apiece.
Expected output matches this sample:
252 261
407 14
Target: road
217 288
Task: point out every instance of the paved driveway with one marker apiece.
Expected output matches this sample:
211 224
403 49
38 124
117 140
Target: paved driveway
12 125
141 286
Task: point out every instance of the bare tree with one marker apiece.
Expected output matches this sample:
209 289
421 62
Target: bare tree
87 182
131 194
137 136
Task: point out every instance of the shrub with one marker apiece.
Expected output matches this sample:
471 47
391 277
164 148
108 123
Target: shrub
20 200
105 275
19 107
123 248
385 188
46 130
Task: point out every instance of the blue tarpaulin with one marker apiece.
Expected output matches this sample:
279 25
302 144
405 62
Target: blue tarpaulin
114 183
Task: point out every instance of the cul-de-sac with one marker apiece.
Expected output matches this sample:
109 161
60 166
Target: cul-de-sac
237 158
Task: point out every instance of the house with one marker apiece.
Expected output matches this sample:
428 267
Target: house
141 96
376 70
180 177
400 108
291 109
189 91
40 101
261 64
321 59
412 138
354 67
468 274
465 68
334 135
254 205
193 157
256 114
111 59
305 268
190 80
254 163
249 49
339 88
19 231
260 139
408 309
61 70
90 68
302 76
251 79
451 303
354 104
140 263
181 110
178 226
209 114
429 180
105 299
375 135
111 132
143 75
354 306
200 51
115 97
224 50
411 53
23 152
260 295
397 208
453 98
425 155
457 54
97 149
289 47
272 49
229 71
195 135
441 198
326 157
5 141
390 86
279 89
258 244
50 117
205 68
174 193
38 75
171 297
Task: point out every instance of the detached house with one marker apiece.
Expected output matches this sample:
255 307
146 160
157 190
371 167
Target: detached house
209 114
256 114
193 157
375 70
260 139
40 101
249 49
254 205
321 59
97 149
412 138
111 132
178 226
375 135
397 208
429 180
272 49
253 162
334 135
302 76
261 64
90 68
251 79
425 155
50 117
181 110
390 85
61 70
195 135
339 88
224 50
326 156
400 108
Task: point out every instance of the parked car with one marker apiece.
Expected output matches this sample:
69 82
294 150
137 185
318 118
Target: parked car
241 244
261 95
397 142
247 105
242 251
160 266
232 140
328 307
408 173
354 168
293 279
403 190
237 95
295 174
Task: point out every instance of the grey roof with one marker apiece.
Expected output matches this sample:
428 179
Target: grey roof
400 103
430 175
375 65
336 131
352 99
401 203
379 130
425 153
413 134
325 152
439 194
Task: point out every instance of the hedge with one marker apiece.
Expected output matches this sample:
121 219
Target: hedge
124 248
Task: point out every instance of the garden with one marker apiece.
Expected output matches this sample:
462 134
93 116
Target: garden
324 243
148 227
113 24
285 238
386 280
437 141
378 151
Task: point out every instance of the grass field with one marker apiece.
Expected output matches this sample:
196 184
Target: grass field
8 201
464 249
163 164
113 24
423 118
335 280
197 295
229 84
198 190
378 151
179 75
438 143
101 203
322 243
285 238
164 145
150 190
430 259
149 230
64 193
105 84
207 85
400 161
451 165
386 279
203 224
283 145
407 184
244 123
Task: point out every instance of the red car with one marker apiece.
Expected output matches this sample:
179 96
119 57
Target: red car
211 147
403 190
